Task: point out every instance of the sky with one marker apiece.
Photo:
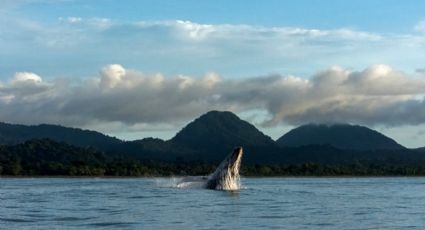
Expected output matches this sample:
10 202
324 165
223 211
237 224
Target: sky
134 69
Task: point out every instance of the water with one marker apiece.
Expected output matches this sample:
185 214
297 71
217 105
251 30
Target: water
263 203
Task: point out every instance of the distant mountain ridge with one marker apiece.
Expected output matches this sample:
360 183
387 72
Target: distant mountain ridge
211 136
306 150
342 136
15 134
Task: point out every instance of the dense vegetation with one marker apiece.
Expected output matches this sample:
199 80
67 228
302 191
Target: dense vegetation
47 157
312 150
214 130
343 136
14 134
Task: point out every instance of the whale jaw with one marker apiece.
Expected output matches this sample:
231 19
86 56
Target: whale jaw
226 176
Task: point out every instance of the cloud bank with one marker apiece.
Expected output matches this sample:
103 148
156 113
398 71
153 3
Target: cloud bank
377 95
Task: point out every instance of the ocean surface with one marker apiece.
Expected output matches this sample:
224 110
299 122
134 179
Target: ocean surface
262 203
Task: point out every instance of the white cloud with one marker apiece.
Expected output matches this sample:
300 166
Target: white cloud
26 77
112 75
185 47
101 23
70 19
25 87
195 30
210 80
378 95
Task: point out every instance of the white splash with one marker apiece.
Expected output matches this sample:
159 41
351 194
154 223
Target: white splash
192 182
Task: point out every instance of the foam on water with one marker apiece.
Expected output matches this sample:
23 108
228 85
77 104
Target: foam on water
191 184
181 182
167 182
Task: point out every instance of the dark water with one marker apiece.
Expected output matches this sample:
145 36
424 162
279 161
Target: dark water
263 203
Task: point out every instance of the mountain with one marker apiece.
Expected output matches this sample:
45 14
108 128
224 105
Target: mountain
217 128
218 132
306 150
342 136
15 134
213 135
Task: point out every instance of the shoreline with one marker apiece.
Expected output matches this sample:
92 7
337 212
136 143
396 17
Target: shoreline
177 176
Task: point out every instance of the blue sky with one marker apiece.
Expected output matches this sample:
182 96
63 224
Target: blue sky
384 18
146 68
371 15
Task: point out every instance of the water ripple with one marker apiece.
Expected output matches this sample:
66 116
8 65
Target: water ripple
263 203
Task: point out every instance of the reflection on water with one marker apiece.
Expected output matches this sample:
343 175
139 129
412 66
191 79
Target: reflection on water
292 203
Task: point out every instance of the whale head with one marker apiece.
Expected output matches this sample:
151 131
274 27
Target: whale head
226 176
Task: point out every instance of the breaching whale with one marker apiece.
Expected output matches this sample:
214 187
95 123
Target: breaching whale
225 177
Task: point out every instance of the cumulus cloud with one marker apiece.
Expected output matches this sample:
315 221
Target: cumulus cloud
24 86
112 75
26 78
377 95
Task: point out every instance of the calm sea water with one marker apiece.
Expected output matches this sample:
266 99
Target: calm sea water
263 203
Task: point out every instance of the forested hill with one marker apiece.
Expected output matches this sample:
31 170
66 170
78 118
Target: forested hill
212 135
215 129
343 136
14 134
204 141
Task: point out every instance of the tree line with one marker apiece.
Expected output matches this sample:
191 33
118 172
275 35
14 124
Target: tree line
45 157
